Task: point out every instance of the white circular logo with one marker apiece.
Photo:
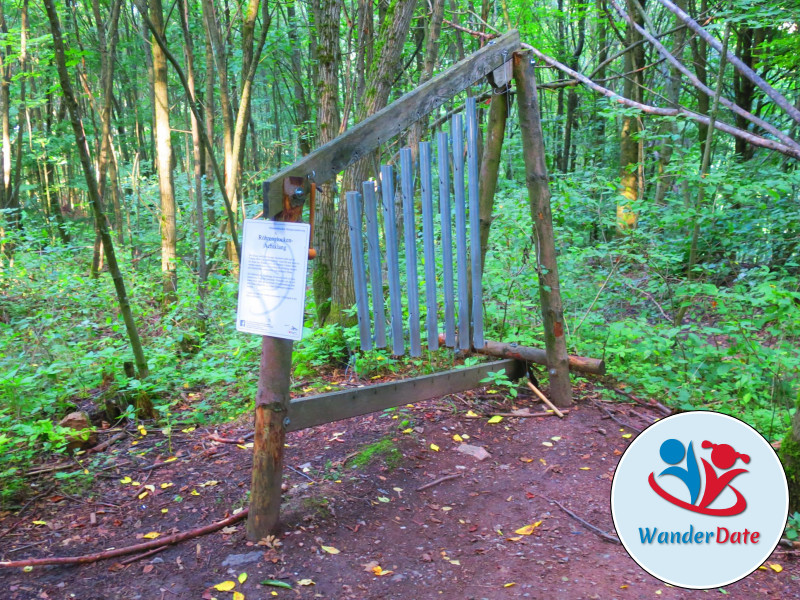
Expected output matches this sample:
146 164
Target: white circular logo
699 500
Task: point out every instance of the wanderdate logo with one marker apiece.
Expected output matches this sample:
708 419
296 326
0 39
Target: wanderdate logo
699 500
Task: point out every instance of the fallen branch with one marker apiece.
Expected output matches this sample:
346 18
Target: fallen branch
133 559
544 399
563 411
90 558
438 481
606 536
652 403
613 418
214 437
112 440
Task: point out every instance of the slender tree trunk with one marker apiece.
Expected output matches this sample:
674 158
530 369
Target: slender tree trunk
490 165
303 123
164 161
380 77
326 18
196 152
572 97
630 182
145 407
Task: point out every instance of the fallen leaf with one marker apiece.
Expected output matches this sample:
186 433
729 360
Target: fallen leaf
548 444
188 430
40 522
148 568
409 430
27 569
456 563
125 479
195 493
543 461
238 596
383 499
211 483
514 539
525 459
277 583
166 485
447 508
143 494
225 586
775 567
330 549
306 582
528 529
142 430
556 438
471 414
152 488
495 419
627 435
171 459
378 571
586 468
229 530
151 536
509 584
617 452
457 438
434 447
165 510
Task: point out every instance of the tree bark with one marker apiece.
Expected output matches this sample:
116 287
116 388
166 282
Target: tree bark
144 407
490 165
381 75
539 195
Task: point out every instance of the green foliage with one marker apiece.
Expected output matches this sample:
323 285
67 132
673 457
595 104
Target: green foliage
384 449
499 379
793 527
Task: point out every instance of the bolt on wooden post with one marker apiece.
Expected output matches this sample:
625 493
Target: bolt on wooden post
272 402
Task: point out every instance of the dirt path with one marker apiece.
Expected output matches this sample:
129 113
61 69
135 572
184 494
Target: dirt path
453 540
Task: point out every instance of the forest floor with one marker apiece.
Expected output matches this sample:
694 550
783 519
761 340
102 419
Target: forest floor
354 521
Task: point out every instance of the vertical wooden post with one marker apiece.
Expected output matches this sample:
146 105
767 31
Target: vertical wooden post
539 195
272 406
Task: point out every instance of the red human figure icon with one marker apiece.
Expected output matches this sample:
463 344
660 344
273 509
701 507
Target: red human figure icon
724 457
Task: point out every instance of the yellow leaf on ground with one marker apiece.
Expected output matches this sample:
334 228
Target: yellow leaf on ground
330 549
306 582
135 483
775 567
471 413
456 563
225 586
514 539
457 438
434 447
151 536
525 459
627 435
171 458
40 522
509 584
143 494
238 596
152 488
528 529
242 577
586 468
27 569
125 480
543 461
188 430
378 571
211 483
142 430
409 430
556 438
548 444
165 510
166 485
494 419
195 493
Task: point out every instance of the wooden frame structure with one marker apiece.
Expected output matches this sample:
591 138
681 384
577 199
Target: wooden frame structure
275 414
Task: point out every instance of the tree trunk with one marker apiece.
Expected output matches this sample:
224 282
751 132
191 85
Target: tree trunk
144 407
539 197
164 162
490 165
630 182
380 77
326 18
572 98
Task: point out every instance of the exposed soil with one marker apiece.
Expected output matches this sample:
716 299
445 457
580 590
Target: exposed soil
455 539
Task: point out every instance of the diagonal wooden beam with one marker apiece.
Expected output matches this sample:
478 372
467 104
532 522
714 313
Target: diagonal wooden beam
335 406
328 160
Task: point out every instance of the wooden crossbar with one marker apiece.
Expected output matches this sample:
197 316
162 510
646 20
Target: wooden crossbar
335 406
332 158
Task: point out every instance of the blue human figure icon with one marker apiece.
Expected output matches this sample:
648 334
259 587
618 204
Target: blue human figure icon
672 453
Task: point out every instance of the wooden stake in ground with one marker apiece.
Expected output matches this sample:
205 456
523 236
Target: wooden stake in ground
544 399
272 405
539 195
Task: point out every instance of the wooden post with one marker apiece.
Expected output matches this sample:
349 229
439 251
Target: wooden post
539 195
490 164
272 406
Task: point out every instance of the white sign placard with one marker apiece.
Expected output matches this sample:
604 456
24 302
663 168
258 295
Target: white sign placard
272 278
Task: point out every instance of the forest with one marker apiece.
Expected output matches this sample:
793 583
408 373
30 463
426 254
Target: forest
136 137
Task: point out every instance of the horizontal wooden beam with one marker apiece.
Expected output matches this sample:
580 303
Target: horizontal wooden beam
595 366
332 158
335 406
